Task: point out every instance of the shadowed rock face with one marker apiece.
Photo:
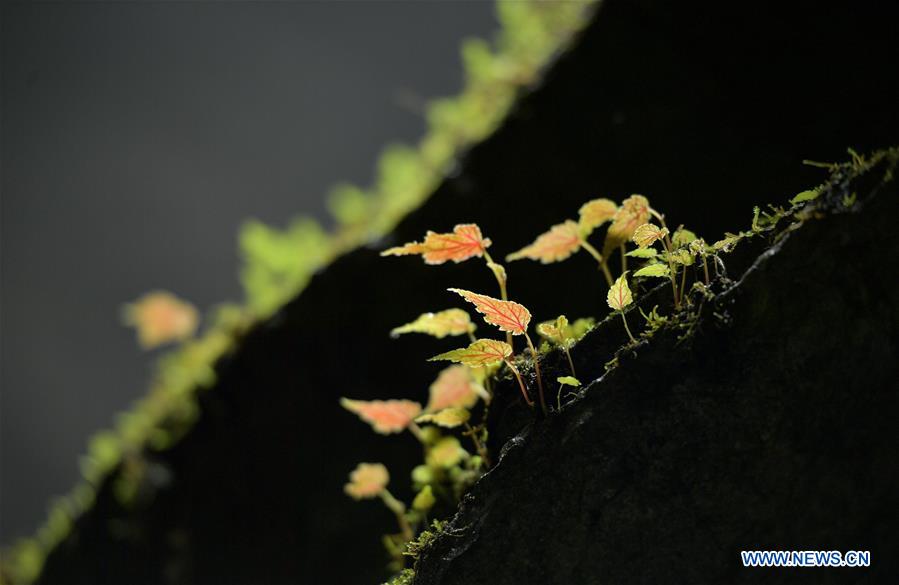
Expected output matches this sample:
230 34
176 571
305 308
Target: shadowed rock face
774 428
705 114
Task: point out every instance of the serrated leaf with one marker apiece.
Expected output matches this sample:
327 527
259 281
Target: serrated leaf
634 211
439 325
368 480
466 241
455 387
648 234
483 352
509 316
804 196
568 380
654 270
561 241
446 453
554 331
619 295
682 237
449 418
643 253
595 213
385 416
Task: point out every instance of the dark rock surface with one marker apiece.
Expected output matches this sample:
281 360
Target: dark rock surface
774 428
705 113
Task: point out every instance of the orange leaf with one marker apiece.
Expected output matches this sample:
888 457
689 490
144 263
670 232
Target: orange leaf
385 416
454 387
367 481
161 317
506 315
595 213
466 241
561 241
483 352
634 211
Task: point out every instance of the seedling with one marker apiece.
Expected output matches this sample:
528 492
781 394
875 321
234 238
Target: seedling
565 381
564 239
557 332
486 353
619 297
510 317
466 241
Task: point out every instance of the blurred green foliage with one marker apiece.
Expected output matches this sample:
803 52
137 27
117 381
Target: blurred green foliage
277 263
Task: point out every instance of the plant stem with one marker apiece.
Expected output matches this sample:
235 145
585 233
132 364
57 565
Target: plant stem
705 269
524 391
472 337
537 370
416 432
482 450
623 258
503 292
683 282
570 362
602 263
668 248
626 328
399 509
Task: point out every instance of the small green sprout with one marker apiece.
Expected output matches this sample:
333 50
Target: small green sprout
565 381
557 332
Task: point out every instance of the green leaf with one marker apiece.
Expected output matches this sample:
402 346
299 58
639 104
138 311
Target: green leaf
554 331
654 270
643 253
439 325
648 234
446 453
804 196
728 243
568 380
682 256
449 418
424 500
483 352
682 237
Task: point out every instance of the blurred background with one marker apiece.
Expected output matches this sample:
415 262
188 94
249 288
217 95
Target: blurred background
136 138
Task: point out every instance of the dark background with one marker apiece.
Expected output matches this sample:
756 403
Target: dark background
136 137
